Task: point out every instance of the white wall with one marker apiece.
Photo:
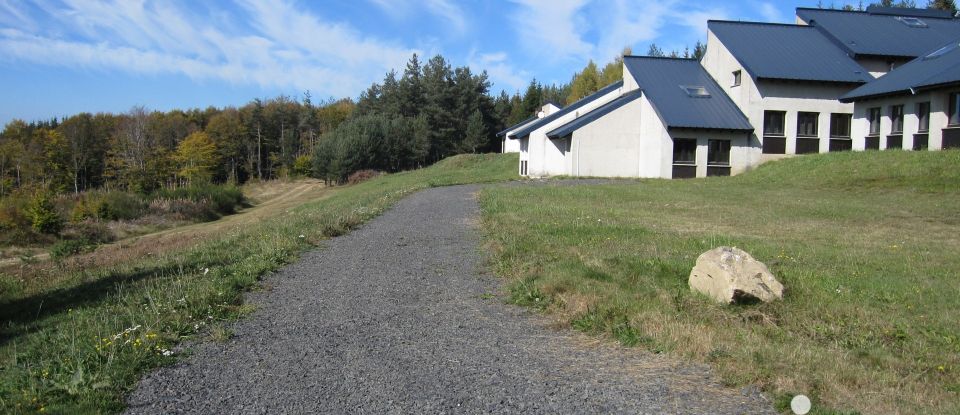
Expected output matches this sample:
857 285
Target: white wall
938 118
617 145
756 96
622 143
510 146
545 158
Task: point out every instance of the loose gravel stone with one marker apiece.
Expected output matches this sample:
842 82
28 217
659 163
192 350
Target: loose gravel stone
401 317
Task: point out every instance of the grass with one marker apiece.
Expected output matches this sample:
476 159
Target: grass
866 244
76 339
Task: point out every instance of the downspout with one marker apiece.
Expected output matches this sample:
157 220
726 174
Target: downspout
578 155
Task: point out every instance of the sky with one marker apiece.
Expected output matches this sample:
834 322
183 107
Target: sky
62 57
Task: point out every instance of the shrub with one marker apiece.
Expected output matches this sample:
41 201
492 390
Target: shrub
223 199
43 216
302 165
69 247
120 205
89 230
362 176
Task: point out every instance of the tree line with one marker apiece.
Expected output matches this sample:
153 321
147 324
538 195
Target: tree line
143 150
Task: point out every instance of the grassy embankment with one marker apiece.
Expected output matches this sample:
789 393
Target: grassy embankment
75 339
866 244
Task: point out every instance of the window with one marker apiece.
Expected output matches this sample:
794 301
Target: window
696 91
896 119
736 78
523 168
807 124
840 125
912 21
773 123
718 153
718 158
873 116
923 116
953 116
684 158
684 151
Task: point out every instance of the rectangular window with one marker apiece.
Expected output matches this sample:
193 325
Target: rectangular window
808 145
737 78
718 153
773 122
684 151
718 158
894 142
840 144
873 116
807 124
920 142
923 115
953 116
840 125
896 119
871 143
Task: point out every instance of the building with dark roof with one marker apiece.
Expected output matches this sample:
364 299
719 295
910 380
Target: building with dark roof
787 80
916 106
669 120
882 38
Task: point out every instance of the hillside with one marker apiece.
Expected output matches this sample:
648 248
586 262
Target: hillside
865 243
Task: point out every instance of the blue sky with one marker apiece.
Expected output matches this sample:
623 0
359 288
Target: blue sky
61 57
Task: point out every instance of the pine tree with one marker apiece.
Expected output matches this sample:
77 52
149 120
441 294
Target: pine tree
655 51
475 135
584 83
948 5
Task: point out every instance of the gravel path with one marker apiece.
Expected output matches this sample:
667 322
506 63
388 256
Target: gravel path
398 317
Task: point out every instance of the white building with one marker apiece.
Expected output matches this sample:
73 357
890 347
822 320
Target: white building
537 156
671 120
787 80
762 91
914 107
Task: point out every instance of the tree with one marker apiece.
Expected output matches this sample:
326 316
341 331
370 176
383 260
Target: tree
476 134
196 156
699 50
948 5
229 134
655 51
585 82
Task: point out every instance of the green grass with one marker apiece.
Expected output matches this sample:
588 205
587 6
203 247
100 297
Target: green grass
75 341
866 244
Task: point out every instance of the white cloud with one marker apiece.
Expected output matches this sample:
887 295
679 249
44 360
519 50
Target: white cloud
551 28
444 9
769 12
503 75
290 48
600 29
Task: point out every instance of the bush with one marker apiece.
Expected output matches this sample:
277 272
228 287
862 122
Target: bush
94 232
69 247
43 216
362 176
223 199
119 206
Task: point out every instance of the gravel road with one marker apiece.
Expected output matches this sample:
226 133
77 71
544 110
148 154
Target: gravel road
401 317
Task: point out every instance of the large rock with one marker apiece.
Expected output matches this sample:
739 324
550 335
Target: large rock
730 275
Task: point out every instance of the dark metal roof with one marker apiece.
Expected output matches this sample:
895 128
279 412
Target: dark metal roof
515 126
595 114
936 68
527 129
907 11
662 81
783 51
880 33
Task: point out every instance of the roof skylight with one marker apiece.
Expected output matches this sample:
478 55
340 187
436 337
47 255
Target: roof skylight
911 21
695 91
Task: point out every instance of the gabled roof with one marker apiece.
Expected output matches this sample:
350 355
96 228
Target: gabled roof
785 51
527 129
515 126
662 80
882 31
594 115
940 67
